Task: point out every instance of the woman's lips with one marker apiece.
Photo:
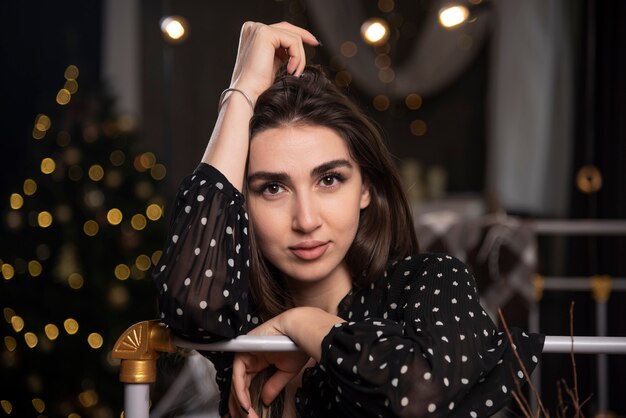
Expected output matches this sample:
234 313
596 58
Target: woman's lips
310 250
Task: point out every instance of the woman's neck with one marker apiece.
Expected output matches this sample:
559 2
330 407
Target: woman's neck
324 294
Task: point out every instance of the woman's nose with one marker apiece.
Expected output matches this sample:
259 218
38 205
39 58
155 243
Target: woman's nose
306 215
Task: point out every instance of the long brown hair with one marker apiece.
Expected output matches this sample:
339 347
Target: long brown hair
385 229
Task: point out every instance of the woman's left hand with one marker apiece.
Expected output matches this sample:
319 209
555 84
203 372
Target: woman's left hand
247 365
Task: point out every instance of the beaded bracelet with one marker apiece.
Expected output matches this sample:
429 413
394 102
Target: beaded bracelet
222 96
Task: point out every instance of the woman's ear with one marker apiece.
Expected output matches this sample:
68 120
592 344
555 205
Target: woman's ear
365 195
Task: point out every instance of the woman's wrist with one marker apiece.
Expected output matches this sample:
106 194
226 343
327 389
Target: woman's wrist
307 326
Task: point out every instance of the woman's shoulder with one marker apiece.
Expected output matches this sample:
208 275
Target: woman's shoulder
423 262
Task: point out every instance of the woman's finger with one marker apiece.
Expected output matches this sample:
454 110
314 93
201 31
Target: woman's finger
307 37
240 383
274 385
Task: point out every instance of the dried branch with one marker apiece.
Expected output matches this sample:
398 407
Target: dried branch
522 366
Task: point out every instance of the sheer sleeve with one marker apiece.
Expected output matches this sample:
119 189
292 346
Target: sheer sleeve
432 350
202 276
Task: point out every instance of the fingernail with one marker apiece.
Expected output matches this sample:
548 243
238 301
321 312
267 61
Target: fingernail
319 43
247 411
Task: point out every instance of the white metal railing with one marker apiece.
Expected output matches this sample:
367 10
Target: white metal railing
137 395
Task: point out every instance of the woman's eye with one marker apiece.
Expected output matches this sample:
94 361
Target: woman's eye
272 189
330 180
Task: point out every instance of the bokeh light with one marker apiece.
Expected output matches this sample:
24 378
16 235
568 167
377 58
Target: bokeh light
30 187
96 172
71 326
63 97
375 31
143 262
10 343
115 216
47 165
138 222
174 28
154 212
44 219
91 228
418 127
348 49
95 340
17 323
453 15
7 271
75 281
31 339
381 102
34 268
122 272
71 72
17 201
413 101
52 331
39 405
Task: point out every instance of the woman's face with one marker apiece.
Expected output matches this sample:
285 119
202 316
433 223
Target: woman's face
304 198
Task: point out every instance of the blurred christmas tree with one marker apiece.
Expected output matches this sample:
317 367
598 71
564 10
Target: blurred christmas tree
80 234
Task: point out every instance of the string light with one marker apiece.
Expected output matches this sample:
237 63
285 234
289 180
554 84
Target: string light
47 165
114 216
122 272
375 31
30 187
71 326
44 219
75 281
10 343
52 331
17 323
31 339
7 271
154 212
95 340
39 405
453 15
63 97
17 201
174 29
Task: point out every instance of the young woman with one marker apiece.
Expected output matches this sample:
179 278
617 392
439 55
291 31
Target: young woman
322 250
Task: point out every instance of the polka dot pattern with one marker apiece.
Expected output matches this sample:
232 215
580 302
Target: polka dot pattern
416 343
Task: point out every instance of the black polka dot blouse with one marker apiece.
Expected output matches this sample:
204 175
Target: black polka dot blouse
415 343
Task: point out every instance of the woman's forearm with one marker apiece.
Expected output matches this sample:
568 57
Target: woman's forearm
228 147
307 327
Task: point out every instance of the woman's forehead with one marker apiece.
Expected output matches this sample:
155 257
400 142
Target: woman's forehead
293 148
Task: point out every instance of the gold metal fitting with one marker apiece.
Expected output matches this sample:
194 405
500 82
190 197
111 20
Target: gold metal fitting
538 285
601 287
139 347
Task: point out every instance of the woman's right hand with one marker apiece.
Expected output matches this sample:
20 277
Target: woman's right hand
263 49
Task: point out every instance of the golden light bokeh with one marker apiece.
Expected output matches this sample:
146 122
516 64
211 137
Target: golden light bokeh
413 101
71 72
156 256
42 123
73 415
117 158
63 97
348 49
31 339
71 86
382 61
589 179
386 75
44 219
71 326
10 343
88 398
453 15
95 340
75 281
122 272
30 187
115 216
8 314
158 172
154 212
381 102
17 201
37 134
147 160
34 268
17 323
386 6
143 262
96 172
91 228
174 29
6 406
39 405
7 271
48 165
52 331
138 222
418 127
375 31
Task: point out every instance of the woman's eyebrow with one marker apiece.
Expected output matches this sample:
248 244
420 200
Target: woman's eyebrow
331 165
281 176
268 176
